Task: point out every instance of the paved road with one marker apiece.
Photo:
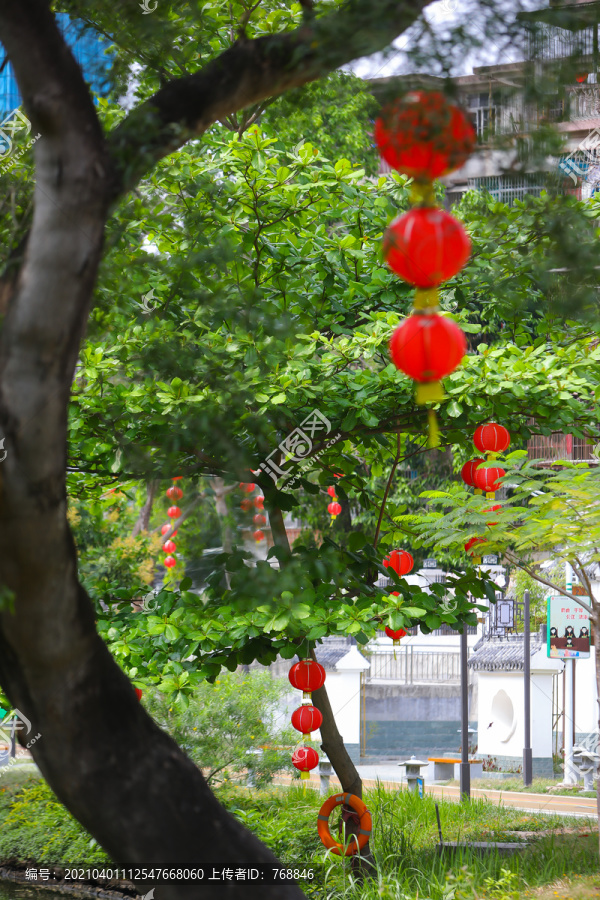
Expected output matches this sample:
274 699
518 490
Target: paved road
390 777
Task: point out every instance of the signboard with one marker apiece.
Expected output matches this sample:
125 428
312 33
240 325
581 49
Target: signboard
420 786
568 629
430 563
505 614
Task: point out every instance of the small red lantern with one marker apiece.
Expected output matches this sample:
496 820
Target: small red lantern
427 348
487 478
395 635
331 491
426 246
258 536
246 504
472 543
173 512
307 675
306 719
424 135
492 509
334 509
166 528
138 693
259 502
491 438
259 519
169 547
247 487
400 561
174 492
467 473
582 77
170 561
305 759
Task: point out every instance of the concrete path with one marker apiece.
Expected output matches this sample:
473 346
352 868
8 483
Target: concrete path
391 777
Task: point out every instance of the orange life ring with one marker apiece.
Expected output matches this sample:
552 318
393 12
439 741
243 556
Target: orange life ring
366 824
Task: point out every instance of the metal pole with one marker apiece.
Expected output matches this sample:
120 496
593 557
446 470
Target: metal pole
465 768
527 752
570 772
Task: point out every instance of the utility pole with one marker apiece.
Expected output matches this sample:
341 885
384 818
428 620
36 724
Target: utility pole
465 768
527 753
570 773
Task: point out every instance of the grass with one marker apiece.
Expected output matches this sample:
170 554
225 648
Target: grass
539 786
561 862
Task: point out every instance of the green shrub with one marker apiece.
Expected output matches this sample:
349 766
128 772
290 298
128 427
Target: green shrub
231 726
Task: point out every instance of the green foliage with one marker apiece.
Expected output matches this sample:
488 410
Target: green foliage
335 113
231 726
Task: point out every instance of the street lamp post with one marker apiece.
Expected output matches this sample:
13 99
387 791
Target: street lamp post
527 752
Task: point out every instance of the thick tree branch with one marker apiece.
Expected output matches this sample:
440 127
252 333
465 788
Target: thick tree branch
250 72
521 565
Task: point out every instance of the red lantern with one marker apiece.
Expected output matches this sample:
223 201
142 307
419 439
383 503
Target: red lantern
174 493
400 561
247 487
331 491
395 635
258 536
259 519
138 693
580 79
467 473
427 348
166 528
176 477
246 504
170 561
488 478
306 719
259 502
426 246
492 509
424 135
173 512
491 438
334 508
305 759
472 543
307 675
169 547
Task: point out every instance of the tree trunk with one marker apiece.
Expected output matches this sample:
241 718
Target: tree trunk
143 521
595 623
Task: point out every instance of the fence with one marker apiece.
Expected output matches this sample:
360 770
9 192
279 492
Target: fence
410 665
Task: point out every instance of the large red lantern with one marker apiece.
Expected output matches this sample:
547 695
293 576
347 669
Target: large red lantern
170 561
424 135
307 675
259 519
427 348
169 546
306 719
400 561
173 512
487 478
395 635
426 246
581 78
305 759
491 438
467 473
174 492
492 509
334 509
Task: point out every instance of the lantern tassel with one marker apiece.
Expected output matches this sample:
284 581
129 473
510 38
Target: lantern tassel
433 439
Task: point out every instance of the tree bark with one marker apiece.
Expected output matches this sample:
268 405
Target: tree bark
143 521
